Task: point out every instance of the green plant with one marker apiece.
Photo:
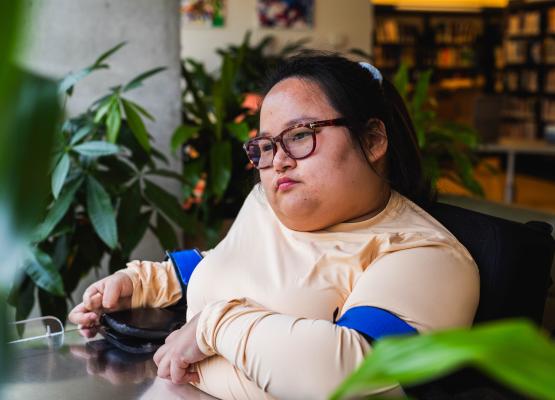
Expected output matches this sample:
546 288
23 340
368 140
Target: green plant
513 352
217 120
448 148
29 111
102 199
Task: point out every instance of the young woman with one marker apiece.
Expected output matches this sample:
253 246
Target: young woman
330 251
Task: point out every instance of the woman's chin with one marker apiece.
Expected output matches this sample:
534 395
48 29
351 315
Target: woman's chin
300 219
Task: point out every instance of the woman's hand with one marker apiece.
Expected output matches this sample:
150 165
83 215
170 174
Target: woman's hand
180 352
111 293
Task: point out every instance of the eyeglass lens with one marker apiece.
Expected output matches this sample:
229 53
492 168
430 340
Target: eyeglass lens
298 143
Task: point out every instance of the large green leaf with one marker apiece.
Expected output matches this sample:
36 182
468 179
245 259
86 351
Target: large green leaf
96 148
56 211
513 352
181 135
138 80
101 213
44 273
421 88
401 80
67 84
27 121
136 125
165 233
136 234
113 122
129 210
222 94
166 203
198 98
141 110
103 107
59 175
104 56
80 134
220 167
24 299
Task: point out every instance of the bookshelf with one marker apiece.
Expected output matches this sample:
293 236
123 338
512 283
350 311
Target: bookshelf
525 71
458 46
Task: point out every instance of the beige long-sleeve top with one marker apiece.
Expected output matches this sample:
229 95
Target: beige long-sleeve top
267 295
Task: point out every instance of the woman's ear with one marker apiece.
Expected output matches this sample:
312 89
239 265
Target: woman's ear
375 140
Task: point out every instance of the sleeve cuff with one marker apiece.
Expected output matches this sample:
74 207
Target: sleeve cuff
209 319
185 262
136 297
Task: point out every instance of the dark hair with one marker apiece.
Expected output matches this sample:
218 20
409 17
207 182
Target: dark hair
358 97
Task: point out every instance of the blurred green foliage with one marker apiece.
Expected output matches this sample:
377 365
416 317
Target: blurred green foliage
448 148
102 198
29 112
512 352
219 113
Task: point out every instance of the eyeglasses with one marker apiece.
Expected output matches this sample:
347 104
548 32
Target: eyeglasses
297 141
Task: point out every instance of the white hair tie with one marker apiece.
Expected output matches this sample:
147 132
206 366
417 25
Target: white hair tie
376 74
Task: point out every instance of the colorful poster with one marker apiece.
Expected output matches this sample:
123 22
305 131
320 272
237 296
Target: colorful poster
206 13
293 14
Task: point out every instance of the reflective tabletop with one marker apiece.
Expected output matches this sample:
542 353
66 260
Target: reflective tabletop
70 366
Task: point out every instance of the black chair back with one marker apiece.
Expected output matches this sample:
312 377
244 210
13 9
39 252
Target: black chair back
514 261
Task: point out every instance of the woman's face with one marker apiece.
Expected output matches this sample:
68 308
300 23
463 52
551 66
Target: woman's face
335 184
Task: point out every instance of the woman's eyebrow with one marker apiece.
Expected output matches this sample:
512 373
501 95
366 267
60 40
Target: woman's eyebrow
291 122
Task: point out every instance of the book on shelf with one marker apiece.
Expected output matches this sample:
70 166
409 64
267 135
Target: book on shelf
551 20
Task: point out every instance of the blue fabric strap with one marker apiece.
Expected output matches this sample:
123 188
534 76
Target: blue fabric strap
374 322
185 262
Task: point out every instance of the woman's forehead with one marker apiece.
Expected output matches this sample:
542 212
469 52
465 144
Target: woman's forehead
294 100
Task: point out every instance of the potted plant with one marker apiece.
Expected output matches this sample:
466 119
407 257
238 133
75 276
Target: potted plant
102 198
219 115
448 148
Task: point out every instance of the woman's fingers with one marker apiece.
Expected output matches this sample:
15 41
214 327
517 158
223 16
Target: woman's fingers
92 291
80 315
112 292
178 369
92 298
95 302
164 368
160 354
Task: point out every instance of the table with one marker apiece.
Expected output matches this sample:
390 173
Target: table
512 148
69 366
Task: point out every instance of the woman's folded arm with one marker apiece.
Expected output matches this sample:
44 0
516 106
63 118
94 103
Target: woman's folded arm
309 358
287 356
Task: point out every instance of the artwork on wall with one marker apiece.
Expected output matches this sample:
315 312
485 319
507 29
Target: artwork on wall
205 13
295 14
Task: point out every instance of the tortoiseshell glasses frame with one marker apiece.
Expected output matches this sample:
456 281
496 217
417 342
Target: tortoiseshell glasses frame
297 141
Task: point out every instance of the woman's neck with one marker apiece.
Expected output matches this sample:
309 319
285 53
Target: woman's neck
384 195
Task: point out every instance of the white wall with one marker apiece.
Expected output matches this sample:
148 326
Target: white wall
338 25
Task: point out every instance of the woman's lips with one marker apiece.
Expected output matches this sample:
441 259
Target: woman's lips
285 184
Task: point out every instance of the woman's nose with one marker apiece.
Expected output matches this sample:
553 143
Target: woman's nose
282 160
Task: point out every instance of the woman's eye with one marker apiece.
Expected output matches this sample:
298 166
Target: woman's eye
266 147
300 136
